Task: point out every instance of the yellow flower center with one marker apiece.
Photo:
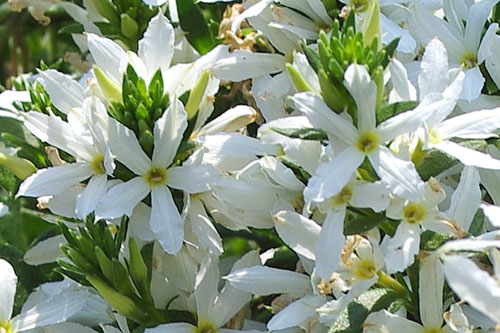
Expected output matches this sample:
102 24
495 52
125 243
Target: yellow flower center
365 269
359 6
343 197
434 138
367 142
156 176
6 328
206 328
98 165
469 60
433 330
414 213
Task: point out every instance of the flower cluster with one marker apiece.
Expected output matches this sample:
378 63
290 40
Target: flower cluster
312 166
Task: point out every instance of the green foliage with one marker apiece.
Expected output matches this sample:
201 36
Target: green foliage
315 134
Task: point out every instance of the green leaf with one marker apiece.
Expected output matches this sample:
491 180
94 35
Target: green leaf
391 110
358 223
431 241
74 28
477 226
194 23
315 134
435 162
7 180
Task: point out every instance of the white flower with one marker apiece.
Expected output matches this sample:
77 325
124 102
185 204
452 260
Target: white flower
154 175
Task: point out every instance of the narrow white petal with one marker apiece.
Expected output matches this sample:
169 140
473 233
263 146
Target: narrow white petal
332 176
54 310
402 248
473 285
168 133
47 251
473 84
121 199
203 228
330 243
409 121
479 124
322 116
91 195
252 11
173 328
206 287
370 195
54 180
125 146
296 313
431 283
56 132
266 280
156 48
386 322
364 92
492 213
298 232
466 198
281 174
192 178
476 18
468 156
166 221
243 65
8 283
485 49
68 327
139 223
434 75
400 176
65 93
402 86
108 55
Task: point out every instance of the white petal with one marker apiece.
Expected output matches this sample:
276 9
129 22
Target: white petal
402 86
473 84
296 313
266 280
434 75
330 243
408 121
479 124
466 198
121 199
243 65
492 213
47 251
400 176
125 146
281 174
54 180
108 55
476 18
323 117
173 328
166 221
468 156
386 322
8 283
332 176
65 93
54 310
364 92
254 10
168 133
156 48
203 228
431 283
402 248
91 195
206 287
485 49
473 285
139 223
390 31
192 178
370 195
68 327
298 232
55 131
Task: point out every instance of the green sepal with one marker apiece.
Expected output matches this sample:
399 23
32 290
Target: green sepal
139 271
196 95
105 264
298 80
109 88
128 26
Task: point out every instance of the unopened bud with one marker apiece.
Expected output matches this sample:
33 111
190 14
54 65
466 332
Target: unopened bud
20 167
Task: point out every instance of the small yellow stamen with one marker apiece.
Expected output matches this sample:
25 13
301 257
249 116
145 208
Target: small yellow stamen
367 142
98 165
434 138
469 60
156 176
365 269
6 328
433 330
343 197
206 328
414 213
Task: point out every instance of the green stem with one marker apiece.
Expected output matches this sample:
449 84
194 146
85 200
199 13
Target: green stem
387 281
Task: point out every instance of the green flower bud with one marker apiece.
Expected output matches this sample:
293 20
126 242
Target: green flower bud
108 10
109 88
139 271
196 95
128 26
20 167
297 79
